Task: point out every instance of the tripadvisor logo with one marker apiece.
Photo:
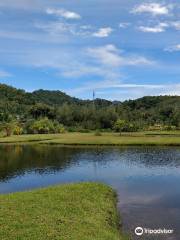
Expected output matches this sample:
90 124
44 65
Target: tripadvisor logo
139 231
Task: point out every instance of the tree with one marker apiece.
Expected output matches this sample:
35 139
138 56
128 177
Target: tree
42 110
120 125
8 128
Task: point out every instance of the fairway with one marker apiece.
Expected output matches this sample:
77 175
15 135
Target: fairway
85 211
109 139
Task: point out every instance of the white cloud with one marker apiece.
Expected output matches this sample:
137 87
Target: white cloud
58 28
117 90
124 24
161 27
174 48
111 56
153 8
103 32
63 13
4 74
108 55
55 28
176 25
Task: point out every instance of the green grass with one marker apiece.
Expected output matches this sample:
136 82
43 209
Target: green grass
85 211
165 138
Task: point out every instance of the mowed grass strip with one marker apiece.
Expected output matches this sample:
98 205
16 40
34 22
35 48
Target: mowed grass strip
140 138
84 211
115 139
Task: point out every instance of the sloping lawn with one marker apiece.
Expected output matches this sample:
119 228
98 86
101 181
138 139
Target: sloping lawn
84 211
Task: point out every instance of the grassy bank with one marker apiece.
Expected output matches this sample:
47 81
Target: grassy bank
141 138
85 211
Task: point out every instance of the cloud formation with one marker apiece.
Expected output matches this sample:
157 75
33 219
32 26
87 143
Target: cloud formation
161 27
109 55
103 32
60 38
63 13
176 25
124 24
152 8
115 89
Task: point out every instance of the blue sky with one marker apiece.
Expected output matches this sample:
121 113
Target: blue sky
122 49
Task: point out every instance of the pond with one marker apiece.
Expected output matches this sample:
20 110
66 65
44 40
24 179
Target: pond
146 179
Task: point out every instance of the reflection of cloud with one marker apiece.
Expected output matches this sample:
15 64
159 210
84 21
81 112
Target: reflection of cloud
142 199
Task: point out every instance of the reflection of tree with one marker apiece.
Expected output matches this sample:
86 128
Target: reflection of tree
16 160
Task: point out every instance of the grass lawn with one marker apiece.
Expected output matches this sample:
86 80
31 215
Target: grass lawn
171 138
85 211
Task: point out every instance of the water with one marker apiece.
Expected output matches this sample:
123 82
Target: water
147 180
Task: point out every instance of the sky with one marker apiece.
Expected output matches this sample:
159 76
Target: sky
121 49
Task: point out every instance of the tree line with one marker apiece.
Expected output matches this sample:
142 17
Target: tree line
55 112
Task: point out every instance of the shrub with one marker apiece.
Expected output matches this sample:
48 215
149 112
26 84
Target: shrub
17 130
10 128
44 126
61 129
97 133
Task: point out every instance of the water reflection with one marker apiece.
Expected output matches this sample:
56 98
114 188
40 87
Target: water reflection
146 179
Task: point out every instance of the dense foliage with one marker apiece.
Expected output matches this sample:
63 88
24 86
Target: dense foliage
48 111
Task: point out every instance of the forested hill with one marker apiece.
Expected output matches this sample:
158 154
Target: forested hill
70 111
8 93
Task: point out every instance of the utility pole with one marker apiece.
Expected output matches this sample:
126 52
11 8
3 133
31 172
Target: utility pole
93 95
94 99
94 102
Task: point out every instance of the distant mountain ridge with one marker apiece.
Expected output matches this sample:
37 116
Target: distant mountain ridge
49 97
58 97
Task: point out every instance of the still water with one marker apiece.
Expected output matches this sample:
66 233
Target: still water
147 180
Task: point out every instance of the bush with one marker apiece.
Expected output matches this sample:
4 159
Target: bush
159 127
44 126
78 129
61 128
123 126
9 128
17 130
97 133
170 128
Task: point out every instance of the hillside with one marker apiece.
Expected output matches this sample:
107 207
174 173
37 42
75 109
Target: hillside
70 111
